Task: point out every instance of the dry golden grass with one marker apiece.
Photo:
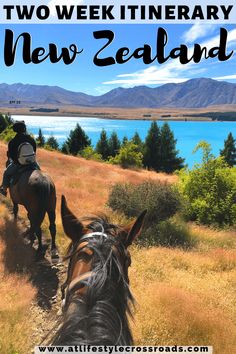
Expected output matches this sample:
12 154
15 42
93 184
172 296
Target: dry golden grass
213 238
16 292
183 297
85 183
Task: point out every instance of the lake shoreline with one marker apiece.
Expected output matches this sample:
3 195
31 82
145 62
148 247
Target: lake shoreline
144 114
188 133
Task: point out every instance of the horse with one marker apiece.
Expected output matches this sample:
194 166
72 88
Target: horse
96 296
37 193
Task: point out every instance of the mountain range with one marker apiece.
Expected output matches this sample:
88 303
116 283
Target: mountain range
194 93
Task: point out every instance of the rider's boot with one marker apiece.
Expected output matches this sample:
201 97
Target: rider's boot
3 191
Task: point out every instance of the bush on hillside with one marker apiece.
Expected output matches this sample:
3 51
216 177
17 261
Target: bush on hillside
90 154
129 156
168 233
161 200
7 134
209 190
5 121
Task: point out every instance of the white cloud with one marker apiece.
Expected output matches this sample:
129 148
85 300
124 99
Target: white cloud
170 72
198 30
68 3
227 77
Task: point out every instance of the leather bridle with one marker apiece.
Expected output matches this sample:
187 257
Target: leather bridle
67 289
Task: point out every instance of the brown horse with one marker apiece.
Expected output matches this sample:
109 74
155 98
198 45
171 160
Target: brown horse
36 192
96 294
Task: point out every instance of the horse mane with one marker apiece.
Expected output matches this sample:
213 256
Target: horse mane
100 317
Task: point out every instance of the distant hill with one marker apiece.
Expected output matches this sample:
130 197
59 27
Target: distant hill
194 93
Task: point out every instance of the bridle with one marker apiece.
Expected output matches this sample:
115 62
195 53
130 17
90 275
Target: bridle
80 281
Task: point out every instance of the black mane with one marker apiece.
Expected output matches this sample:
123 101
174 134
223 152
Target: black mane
100 317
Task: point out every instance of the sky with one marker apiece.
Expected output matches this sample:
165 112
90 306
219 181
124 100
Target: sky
84 76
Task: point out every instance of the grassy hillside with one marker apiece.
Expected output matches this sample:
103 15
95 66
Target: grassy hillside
85 183
183 297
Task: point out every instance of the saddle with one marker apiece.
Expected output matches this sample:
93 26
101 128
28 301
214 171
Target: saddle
22 169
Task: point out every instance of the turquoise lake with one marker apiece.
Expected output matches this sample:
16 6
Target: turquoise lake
188 134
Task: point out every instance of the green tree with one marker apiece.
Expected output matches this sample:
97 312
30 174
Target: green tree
89 153
152 148
229 150
65 148
102 146
125 140
76 141
138 141
52 143
8 119
3 123
114 144
209 190
128 156
40 140
169 160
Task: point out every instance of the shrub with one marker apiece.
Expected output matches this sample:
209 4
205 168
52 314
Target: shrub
7 134
129 156
161 200
5 121
168 233
209 190
90 154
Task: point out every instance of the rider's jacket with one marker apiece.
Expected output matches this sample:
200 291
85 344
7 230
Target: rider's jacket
14 144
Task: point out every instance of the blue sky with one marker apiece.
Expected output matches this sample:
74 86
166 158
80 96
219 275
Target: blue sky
84 76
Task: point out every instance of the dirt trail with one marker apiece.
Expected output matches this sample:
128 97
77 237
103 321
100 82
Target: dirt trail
21 258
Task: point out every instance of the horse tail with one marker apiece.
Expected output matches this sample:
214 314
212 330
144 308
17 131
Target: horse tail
42 191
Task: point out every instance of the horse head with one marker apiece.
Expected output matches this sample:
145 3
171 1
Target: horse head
97 277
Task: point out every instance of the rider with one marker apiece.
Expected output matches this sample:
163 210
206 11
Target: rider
21 137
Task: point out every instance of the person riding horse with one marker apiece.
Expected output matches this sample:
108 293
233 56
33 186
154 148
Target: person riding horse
21 138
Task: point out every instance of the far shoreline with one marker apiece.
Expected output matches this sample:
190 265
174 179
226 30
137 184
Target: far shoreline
144 114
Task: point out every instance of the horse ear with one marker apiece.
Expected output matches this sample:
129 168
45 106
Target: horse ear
72 226
135 229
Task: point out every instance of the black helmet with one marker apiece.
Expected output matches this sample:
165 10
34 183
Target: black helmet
19 126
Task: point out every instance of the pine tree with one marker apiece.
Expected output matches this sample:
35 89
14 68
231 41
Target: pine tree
169 160
229 150
40 140
114 144
152 148
65 148
9 119
125 140
52 143
76 141
138 142
102 146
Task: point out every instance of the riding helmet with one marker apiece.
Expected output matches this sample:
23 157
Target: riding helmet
19 126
